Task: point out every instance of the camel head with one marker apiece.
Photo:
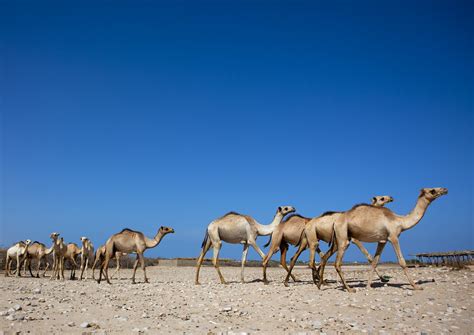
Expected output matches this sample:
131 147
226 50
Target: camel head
165 230
84 239
381 200
54 236
433 193
27 242
283 210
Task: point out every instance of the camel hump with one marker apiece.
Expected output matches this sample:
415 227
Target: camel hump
39 243
362 205
329 213
128 230
289 217
229 214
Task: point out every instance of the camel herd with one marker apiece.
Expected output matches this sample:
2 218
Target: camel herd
362 223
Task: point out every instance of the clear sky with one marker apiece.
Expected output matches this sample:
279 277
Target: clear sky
146 113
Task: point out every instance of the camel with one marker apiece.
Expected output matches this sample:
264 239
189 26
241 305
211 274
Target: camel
87 253
72 251
99 257
237 228
367 223
59 253
319 228
19 251
130 241
37 251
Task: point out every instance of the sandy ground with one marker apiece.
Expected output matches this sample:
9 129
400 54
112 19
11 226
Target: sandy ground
171 303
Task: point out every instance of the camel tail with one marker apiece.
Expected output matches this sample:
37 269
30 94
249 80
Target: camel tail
206 237
269 241
333 238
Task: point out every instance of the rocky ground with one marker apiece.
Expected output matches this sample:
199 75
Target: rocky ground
171 303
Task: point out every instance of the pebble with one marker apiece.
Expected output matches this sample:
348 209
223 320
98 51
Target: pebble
85 325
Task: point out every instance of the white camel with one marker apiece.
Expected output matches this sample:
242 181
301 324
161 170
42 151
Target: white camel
237 228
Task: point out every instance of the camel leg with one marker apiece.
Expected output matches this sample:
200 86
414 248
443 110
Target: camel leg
312 254
53 269
142 263
38 267
257 249
7 266
244 258
267 258
283 252
105 269
374 262
215 260
367 255
401 261
323 263
201 259
117 269
301 248
63 260
96 260
82 266
343 244
18 266
86 268
46 268
135 266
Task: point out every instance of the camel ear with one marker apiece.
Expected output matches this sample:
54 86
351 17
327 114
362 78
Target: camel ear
279 209
373 199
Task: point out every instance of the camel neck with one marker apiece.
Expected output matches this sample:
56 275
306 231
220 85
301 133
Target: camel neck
50 250
264 230
410 220
151 243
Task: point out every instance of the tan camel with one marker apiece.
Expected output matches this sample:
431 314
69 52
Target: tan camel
130 241
321 228
17 251
236 228
59 253
87 253
377 224
72 252
39 252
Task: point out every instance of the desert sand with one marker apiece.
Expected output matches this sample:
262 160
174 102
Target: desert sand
171 303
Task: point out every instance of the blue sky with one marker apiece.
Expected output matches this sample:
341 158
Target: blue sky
141 114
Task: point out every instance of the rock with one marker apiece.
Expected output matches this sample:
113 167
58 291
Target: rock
85 325
71 324
37 291
226 309
17 307
11 317
316 324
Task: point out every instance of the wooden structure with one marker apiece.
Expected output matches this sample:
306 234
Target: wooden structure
450 258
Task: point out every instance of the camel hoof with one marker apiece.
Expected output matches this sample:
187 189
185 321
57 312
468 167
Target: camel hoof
266 282
134 282
418 288
147 282
286 284
351 290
